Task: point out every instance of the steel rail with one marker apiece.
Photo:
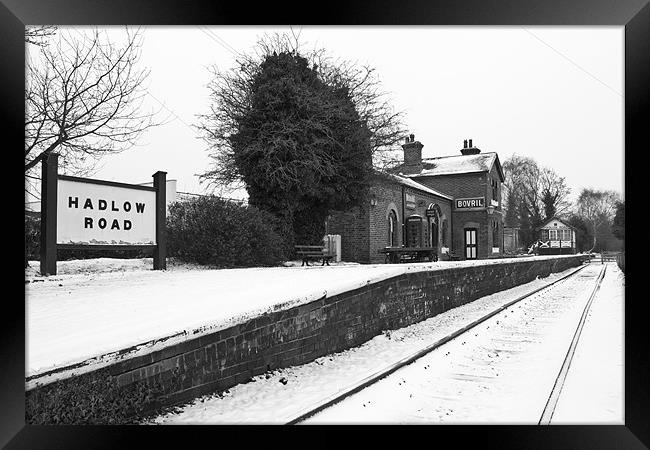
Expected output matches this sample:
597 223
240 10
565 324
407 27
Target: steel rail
382 373
551 403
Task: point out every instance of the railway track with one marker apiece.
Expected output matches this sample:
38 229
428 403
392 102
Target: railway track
383 373
553 398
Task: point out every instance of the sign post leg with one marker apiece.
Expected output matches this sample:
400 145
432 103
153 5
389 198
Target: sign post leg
49 173
160 252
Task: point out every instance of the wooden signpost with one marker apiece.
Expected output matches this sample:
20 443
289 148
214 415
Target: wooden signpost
88 214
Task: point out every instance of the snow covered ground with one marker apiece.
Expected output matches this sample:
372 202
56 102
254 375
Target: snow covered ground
94 308
443 388
592 392
505 376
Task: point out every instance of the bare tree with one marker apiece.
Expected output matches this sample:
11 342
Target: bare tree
523 182
38 34
596 208
543 192
83 99
554 193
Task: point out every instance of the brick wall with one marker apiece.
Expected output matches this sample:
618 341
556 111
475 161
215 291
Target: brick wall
219 360
353 226
457 186
365 231
389 197
468 186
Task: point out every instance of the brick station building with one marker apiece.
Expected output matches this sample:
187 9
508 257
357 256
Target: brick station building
452 203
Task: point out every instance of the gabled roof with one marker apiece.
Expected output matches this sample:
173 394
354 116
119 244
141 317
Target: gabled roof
415 185
459 164
557 219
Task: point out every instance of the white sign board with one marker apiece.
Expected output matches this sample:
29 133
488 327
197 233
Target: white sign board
97 214
410 201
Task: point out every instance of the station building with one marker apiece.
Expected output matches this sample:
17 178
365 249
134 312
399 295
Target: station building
451 203
556 238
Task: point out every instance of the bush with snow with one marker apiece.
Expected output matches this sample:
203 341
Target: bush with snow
212 231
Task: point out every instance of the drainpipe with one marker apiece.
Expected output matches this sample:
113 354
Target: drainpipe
451 227
403 218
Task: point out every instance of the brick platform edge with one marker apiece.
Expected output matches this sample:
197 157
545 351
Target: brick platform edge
214 362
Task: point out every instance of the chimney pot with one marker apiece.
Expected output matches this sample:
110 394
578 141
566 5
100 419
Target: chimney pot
469 150
412 155
465 143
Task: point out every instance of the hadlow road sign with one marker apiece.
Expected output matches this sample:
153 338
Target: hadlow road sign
84 213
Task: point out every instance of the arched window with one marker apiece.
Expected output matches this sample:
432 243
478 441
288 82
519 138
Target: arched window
392 229
444 232
495 234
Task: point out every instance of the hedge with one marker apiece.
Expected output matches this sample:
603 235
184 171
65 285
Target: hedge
211 231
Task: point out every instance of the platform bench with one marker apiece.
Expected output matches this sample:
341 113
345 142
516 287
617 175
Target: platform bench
313 253
452 256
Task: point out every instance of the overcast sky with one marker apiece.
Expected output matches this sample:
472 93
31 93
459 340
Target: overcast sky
554 94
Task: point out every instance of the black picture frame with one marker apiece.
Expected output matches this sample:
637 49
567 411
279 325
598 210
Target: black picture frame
634 15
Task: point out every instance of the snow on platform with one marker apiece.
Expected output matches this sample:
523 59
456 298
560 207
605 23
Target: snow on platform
100 306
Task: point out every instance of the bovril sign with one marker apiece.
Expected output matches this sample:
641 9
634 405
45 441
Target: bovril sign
104 214
469 203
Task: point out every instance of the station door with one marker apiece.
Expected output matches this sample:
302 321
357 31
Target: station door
471 245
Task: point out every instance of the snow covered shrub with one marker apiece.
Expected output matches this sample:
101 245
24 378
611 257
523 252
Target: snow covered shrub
212 231
32 237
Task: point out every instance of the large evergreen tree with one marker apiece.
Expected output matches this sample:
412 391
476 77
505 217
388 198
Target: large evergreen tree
301 149
299 133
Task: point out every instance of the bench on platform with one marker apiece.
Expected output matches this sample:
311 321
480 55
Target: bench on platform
452 256
313 253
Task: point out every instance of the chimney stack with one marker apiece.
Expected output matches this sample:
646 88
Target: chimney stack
469 150
412 156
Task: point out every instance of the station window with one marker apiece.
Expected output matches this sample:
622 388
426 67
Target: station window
552 235
495 234
444 232
495 189
392 229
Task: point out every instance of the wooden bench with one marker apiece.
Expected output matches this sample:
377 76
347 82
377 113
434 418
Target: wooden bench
452 256
313 252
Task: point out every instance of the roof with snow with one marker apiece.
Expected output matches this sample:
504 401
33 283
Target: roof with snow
554 219
415 185
458 164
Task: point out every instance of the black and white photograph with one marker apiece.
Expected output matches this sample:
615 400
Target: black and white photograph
325 225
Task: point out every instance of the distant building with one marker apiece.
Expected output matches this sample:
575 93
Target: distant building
452 203
557 237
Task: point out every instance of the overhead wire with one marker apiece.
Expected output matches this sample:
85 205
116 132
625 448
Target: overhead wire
573 62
